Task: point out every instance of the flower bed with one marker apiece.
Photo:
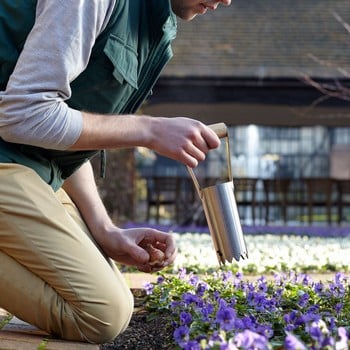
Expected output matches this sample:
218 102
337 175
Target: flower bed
282 307
223 311
217 307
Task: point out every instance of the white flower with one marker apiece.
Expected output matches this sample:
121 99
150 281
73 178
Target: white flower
267 251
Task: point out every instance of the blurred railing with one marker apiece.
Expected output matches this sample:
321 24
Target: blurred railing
304 200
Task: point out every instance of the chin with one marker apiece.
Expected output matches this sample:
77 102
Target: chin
184 13
188 16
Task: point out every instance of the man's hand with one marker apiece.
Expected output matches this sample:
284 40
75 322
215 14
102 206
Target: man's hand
183 139
148 249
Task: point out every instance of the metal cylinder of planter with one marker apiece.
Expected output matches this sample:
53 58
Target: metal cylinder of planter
221 211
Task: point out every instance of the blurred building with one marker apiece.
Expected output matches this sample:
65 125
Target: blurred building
252 66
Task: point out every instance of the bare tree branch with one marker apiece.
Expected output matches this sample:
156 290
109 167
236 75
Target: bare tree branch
341 21
336 89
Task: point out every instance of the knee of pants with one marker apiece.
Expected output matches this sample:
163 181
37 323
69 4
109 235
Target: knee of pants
103 324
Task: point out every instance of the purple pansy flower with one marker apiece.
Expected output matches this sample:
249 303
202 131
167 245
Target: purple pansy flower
250 340
291 342
226 318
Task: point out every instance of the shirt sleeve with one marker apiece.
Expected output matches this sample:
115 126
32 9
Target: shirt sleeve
33 108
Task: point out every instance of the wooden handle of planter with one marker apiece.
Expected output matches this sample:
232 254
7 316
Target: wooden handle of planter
220 129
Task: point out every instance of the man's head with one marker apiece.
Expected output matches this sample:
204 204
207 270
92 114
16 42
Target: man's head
188 9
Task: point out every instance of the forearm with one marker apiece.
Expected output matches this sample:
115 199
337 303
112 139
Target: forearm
117 131
82 189
182 139
123 245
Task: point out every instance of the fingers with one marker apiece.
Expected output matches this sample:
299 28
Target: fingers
199 143
183 139
162 241
148 267
202 142
170 252
211 138
196 152
165 242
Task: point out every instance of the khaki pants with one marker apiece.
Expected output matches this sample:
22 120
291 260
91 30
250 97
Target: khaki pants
52 274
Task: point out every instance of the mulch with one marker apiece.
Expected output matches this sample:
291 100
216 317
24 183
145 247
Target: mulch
145 332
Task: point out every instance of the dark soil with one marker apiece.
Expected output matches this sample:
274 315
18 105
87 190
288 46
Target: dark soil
144 332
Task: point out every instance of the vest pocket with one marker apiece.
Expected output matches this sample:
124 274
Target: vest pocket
124 60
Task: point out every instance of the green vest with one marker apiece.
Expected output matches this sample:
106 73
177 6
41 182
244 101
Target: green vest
125 63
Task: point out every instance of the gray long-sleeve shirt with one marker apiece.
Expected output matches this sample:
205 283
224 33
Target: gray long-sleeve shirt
32 108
